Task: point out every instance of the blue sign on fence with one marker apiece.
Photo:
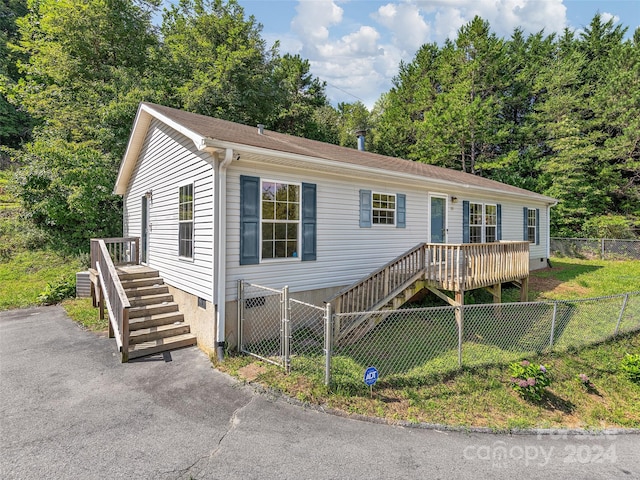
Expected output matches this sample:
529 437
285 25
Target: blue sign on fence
371 376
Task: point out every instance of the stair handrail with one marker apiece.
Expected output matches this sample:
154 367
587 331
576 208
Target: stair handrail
112 295
382 276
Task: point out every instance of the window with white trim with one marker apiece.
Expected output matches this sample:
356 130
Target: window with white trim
483 223
185 221
490 223
531 225
280 220
383 208
475 223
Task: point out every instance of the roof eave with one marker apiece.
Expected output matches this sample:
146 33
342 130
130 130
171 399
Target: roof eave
368 170
136 140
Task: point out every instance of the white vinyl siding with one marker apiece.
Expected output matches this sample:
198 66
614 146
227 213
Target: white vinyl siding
345 252
167 161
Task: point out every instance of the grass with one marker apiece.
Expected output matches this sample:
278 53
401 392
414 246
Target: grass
81 310
431 389
26 274
482 396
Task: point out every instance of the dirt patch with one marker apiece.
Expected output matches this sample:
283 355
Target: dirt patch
251 371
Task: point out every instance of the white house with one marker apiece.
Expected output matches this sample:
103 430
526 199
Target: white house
214 202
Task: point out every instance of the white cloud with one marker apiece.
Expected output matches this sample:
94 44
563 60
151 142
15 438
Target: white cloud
606 16
314 18
503 15
407 25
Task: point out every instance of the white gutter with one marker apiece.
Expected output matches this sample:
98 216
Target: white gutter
220 225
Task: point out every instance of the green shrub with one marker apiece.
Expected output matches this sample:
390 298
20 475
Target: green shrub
529 380
56 291
630 366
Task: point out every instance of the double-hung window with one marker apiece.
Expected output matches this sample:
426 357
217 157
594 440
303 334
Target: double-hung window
481 222
280 221
185 221
490 223
384 209
475 222
531 225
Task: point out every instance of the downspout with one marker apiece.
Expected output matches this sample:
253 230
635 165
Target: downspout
221 245
549 232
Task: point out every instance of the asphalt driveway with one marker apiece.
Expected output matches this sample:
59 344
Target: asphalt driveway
70 409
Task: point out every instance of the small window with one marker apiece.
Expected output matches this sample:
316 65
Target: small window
384 209
280 220
531 225
475 223
185 221
490 223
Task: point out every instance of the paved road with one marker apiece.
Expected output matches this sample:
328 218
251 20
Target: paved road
69 409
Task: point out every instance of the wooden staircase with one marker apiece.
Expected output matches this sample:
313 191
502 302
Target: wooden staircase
155 322
438 268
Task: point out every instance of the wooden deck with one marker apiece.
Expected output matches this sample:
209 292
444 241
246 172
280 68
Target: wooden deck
440 268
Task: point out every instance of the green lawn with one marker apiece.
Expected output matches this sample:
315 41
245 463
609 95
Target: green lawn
25 275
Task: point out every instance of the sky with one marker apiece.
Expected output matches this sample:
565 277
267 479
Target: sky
356 46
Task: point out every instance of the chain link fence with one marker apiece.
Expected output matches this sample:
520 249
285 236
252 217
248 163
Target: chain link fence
605 248
414 345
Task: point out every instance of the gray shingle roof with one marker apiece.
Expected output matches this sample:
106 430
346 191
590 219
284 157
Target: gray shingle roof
226 131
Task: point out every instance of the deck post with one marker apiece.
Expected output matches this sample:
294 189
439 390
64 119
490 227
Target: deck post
524 289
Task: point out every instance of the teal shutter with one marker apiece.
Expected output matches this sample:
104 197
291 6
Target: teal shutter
499 222
401 220
525 215
537 226
308 222
249 220
465 221
365 208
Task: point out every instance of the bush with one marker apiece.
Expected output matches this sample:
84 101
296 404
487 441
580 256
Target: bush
529 380
630 366
55 292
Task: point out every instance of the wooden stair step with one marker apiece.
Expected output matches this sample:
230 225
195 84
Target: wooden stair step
161 345
149 310
155 320
144 300
132 274
142 282
157 289
143 335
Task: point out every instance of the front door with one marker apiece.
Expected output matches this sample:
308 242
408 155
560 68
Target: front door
438 220
144 231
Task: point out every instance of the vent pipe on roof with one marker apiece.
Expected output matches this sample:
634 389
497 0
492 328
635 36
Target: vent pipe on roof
361 134
260 129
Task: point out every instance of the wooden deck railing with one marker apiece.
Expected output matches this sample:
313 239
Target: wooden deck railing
366 294
462 267
123 251
452 267
110 291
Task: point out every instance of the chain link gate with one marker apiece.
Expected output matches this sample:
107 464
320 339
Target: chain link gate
284 331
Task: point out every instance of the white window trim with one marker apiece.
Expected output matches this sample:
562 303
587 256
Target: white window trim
394 210
192 222
534 226
299 222
484 225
